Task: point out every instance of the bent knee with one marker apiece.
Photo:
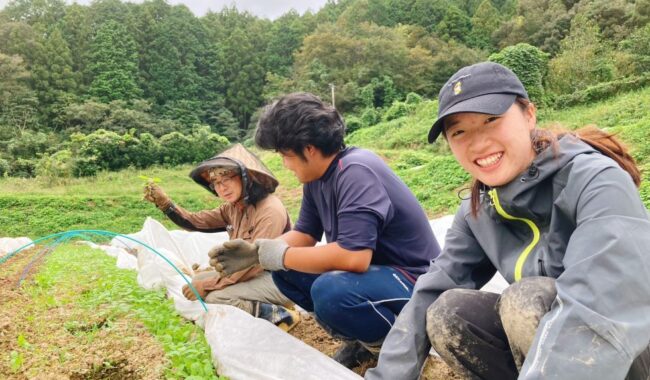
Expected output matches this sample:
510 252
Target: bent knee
330 286
443 322
531 296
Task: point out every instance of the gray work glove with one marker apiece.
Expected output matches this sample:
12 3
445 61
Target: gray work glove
236 255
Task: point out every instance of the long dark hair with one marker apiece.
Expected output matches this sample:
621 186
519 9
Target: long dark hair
256 192
605 143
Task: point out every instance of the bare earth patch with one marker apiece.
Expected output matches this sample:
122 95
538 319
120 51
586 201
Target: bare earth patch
49 339
311 333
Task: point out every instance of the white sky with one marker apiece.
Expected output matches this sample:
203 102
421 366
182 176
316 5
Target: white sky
262 8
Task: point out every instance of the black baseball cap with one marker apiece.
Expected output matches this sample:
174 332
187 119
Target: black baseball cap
485 87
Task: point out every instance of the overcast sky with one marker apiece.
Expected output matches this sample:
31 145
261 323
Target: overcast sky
262 8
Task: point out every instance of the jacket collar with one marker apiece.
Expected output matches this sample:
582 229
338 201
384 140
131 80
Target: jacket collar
530 194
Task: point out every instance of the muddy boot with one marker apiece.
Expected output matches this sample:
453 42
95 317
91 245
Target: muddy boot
284 318
352 354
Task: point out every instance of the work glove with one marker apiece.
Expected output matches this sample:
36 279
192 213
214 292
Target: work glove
154 194
236 255
199 285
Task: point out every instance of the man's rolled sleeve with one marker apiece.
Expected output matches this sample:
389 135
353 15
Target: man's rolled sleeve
358 231
364 206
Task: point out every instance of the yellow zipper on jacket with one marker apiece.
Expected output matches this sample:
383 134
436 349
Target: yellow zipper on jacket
524 254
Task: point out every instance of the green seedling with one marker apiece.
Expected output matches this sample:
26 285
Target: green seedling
149 180
16 360
22 342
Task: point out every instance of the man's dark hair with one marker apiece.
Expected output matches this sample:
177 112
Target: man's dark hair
297 120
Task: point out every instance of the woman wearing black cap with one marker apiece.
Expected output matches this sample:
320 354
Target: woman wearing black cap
559 216
249 212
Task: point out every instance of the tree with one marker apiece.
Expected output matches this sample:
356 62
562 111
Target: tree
285 38
18 103
530 65
54 80
641 14
76 30
42 14
351 58
454 25
613 17
243 77
18 38
173 56
449 57
638 46
485 22
425 13
114 64
539 23
102 11
583 61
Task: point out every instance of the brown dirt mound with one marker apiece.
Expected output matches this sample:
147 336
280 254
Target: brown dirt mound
311 333
52 340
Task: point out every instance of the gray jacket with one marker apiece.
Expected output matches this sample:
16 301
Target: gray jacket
574 215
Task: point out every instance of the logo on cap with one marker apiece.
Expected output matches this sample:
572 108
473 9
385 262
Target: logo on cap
458 88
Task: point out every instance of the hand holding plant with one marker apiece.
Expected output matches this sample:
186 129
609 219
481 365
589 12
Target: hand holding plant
155 194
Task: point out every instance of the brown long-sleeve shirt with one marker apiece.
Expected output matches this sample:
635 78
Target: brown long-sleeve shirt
267 219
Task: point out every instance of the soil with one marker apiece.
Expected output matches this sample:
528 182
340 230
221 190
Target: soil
311 333
59 342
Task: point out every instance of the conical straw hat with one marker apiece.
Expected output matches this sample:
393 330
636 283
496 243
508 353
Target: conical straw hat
235 157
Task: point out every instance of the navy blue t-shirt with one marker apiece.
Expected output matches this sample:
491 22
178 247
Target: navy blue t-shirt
360 203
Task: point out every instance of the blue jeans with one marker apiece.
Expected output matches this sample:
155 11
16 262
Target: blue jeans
355 306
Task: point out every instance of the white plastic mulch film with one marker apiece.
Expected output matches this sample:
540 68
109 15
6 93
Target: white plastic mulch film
8 245
243 347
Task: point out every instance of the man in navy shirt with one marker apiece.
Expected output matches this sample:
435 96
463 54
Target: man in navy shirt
378 237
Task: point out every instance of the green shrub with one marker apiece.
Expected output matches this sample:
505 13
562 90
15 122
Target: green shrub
413 98
57 165
397 110
585 60
353 123
370 116
176 149
413 158
378 93
85 166
29 144
106 147
530 65
205 144
147 152
600 91
4 167
638 45
23 168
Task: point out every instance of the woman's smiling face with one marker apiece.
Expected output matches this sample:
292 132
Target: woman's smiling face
494 149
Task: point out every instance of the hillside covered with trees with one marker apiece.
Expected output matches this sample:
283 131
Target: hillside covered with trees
115 84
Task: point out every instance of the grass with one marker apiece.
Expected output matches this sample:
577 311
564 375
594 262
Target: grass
78 298
113 201
106 299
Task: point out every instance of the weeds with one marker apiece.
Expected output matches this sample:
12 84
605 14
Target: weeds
87 280
113 201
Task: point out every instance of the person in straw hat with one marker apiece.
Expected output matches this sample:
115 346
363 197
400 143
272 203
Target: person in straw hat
378 237
250 211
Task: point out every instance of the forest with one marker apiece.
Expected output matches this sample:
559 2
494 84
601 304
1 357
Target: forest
112 85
